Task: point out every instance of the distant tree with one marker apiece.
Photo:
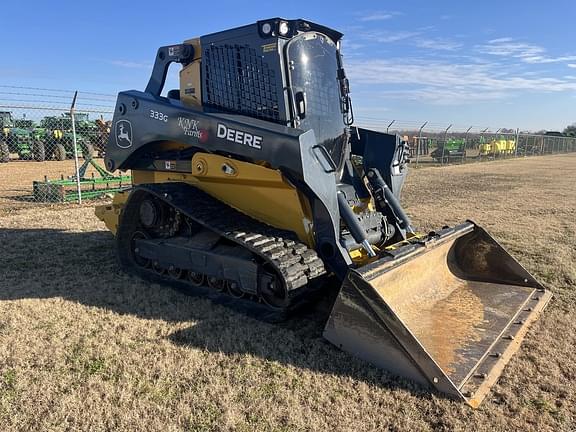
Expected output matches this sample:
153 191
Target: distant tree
570 130
507 131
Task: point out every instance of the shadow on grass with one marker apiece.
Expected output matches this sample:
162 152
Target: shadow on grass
82 267
18 196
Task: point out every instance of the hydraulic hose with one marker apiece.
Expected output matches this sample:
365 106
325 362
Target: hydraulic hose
351 221
384 197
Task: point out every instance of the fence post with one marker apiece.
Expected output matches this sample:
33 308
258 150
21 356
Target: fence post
480 142
517 142
76 166
419 141
465 144
444 144
496 138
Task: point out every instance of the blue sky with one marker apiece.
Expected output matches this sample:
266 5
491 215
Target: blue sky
490 63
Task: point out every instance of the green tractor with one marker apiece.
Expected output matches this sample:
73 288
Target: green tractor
59 137
452 148
24 123
17 136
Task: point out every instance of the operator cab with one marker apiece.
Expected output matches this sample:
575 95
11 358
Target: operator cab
284 71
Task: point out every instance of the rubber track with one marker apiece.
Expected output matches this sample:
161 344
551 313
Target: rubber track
288 256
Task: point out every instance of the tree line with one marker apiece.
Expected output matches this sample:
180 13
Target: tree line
570 130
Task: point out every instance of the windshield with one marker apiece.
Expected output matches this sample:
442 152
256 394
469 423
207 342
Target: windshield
313 69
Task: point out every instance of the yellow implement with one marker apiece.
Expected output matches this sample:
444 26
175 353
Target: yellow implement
498 147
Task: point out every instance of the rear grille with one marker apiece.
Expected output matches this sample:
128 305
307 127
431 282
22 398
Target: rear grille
238 80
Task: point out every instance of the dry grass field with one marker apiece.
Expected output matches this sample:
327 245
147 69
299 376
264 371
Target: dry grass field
85 347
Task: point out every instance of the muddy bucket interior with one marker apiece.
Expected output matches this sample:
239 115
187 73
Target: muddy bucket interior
449 312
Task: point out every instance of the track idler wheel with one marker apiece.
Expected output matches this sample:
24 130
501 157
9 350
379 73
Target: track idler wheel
217 284
150 213
158 268
273 292
196 279
138 259
175 273
234 290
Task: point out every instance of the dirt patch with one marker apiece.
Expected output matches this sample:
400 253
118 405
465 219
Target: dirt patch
85 347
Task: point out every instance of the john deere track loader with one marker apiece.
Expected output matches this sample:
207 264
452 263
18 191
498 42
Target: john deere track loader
252 185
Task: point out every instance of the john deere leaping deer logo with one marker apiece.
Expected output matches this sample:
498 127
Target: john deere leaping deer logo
123 131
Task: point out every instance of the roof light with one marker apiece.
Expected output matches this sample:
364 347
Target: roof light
283 28
266 28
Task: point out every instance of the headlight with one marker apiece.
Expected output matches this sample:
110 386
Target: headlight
283 28
266 29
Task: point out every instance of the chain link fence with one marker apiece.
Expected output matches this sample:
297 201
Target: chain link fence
51 146
52 143
434 144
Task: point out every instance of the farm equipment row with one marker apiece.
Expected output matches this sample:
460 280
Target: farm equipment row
458 149
52 138
497 147
455 149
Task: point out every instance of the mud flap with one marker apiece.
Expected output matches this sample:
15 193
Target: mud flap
449 311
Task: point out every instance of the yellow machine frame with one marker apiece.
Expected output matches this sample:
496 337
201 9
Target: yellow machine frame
255 190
